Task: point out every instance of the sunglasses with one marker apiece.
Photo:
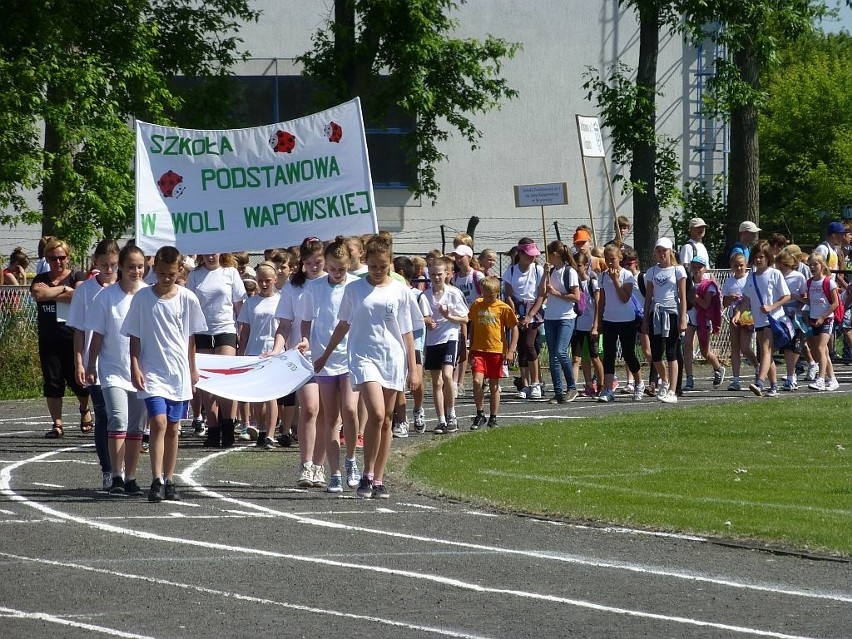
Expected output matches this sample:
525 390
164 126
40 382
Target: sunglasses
57 258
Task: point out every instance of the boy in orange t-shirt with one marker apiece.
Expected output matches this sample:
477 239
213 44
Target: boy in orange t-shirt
490 318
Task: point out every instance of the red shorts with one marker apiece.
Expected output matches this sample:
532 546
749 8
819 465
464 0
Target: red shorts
491 364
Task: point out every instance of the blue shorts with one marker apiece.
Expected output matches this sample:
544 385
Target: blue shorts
440 355
174 411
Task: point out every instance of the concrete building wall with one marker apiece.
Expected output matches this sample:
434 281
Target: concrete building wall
532 139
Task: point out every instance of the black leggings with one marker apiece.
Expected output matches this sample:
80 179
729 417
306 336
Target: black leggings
624 332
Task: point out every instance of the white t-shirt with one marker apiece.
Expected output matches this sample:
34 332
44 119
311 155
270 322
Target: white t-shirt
417 320
106 316
288 305
798 286
81 302
665 283
819 303
320 305
469 285
614 309
164 328
445 330
259 313
378 317
733 287
217 291
832 259
524 285
557 307
772 288
690 249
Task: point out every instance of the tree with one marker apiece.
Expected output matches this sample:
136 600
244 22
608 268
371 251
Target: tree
752 31
83 70
402 55
806 136
629 110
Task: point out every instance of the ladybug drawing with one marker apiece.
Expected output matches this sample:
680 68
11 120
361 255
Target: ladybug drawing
333 131
283 142
171 184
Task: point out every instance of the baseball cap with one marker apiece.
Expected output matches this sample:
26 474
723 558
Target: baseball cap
750 227
529 248
835 227
699 259
664 242
582 235
696 222
463 250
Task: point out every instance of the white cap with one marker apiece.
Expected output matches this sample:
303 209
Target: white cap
462 249
664 242
749 226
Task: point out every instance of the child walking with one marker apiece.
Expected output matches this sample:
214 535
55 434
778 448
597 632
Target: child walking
665 315
376 313
705 317
562 287
160 323
822 300
109 366
449 313
740 334
490 319
320 307
583 348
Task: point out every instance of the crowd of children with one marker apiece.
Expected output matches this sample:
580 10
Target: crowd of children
372 324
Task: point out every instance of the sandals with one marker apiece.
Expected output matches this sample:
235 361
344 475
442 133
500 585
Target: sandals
55 433
86 425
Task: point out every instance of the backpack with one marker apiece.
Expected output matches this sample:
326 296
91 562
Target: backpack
690 292
840 311
580 305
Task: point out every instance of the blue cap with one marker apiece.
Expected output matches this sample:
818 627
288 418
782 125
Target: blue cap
835 227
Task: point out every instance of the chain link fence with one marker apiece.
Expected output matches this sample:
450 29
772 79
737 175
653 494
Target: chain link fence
17 309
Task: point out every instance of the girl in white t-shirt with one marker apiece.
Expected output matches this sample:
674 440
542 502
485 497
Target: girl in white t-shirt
583 348
221 293
705 318
739 334
562 287
764 293
665 318
319 308
310 267
821 320
617 319
105 260
257 325
798 285
109 366
376 313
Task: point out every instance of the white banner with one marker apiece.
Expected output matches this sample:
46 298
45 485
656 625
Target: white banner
591 141
253 379
252 189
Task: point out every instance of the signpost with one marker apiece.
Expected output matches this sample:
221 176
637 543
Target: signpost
550 194
591 146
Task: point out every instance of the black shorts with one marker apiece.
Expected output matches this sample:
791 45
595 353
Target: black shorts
287 400
441 355
211 342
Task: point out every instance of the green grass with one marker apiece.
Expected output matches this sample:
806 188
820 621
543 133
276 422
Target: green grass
777 471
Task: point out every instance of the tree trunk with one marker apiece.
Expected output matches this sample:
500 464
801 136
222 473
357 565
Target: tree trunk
744 161
646 206
52 187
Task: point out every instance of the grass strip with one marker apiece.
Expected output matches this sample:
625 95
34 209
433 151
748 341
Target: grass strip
773 471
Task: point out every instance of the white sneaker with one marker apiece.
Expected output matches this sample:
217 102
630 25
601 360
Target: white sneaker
663 392
813 372
419 421
335 484
606 396
306 475
319 480
535 392
817 385
638 392
353 475
832 385
400 430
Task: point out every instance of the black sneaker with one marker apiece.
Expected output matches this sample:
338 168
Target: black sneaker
286 440
267 444
452 425
478 422
132 488
261 438
117 486
170 492
380 492
440 429
365 488
492 421
158 491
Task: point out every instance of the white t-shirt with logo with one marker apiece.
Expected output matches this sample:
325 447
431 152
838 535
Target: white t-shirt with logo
217 291
445 330
259 313
320 305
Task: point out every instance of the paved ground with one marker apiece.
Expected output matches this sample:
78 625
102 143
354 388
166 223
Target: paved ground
247 555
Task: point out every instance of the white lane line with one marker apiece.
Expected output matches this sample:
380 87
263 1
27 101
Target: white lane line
43 616
5 483
578 481
27 418
7 512
234 483
38 483
423 506
248 598
571 559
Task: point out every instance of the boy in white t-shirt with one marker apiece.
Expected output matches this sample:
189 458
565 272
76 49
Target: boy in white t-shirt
161 322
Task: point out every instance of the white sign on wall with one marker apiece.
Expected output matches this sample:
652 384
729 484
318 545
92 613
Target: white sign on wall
591 141
552 194
213 191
